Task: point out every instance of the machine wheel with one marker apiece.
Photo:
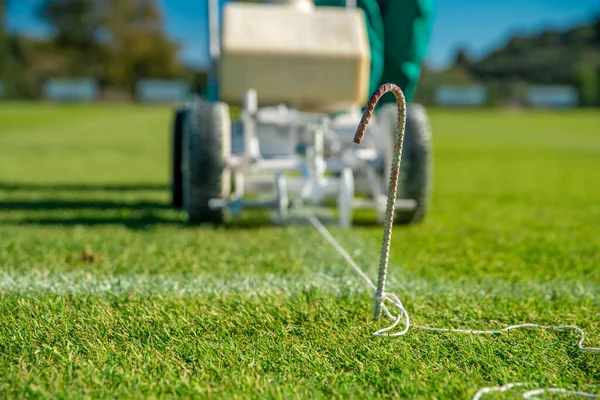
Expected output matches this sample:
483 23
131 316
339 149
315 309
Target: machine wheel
206 146
177 133
416 168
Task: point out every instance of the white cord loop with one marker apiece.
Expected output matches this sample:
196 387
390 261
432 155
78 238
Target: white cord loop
529 394
381 297
394 301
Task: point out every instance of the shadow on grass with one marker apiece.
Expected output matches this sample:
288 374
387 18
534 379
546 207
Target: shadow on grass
80 187
146 221
143 222
152 220
133 214
41 205
265 222
137 214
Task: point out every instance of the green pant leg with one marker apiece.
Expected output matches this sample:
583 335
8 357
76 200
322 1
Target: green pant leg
376 34
407 33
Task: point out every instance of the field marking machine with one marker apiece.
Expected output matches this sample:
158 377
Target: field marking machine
299 74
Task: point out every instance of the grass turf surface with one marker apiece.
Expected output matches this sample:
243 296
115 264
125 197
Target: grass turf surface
105 292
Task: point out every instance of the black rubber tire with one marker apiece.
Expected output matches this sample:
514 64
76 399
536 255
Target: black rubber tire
176 138
416 168
206 145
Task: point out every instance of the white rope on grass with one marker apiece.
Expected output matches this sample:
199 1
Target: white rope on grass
492 389
389 297
531 393
403 315
381 296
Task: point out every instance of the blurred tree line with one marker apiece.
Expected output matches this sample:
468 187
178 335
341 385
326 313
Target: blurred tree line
571 57
116 42
120 41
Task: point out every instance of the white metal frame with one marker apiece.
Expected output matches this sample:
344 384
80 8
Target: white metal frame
328 149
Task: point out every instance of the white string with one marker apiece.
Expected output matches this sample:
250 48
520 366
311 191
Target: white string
529 394
395 301
387 296
503 388
403 314
321 228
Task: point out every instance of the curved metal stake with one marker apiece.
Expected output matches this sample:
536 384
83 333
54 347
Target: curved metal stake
393 185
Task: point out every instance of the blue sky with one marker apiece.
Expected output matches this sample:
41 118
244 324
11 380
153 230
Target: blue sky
479 25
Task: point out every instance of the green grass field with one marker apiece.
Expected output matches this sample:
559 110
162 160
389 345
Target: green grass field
105 292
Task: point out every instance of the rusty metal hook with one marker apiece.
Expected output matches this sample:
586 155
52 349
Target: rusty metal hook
393 184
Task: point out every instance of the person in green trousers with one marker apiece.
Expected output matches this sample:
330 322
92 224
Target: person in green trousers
399 35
